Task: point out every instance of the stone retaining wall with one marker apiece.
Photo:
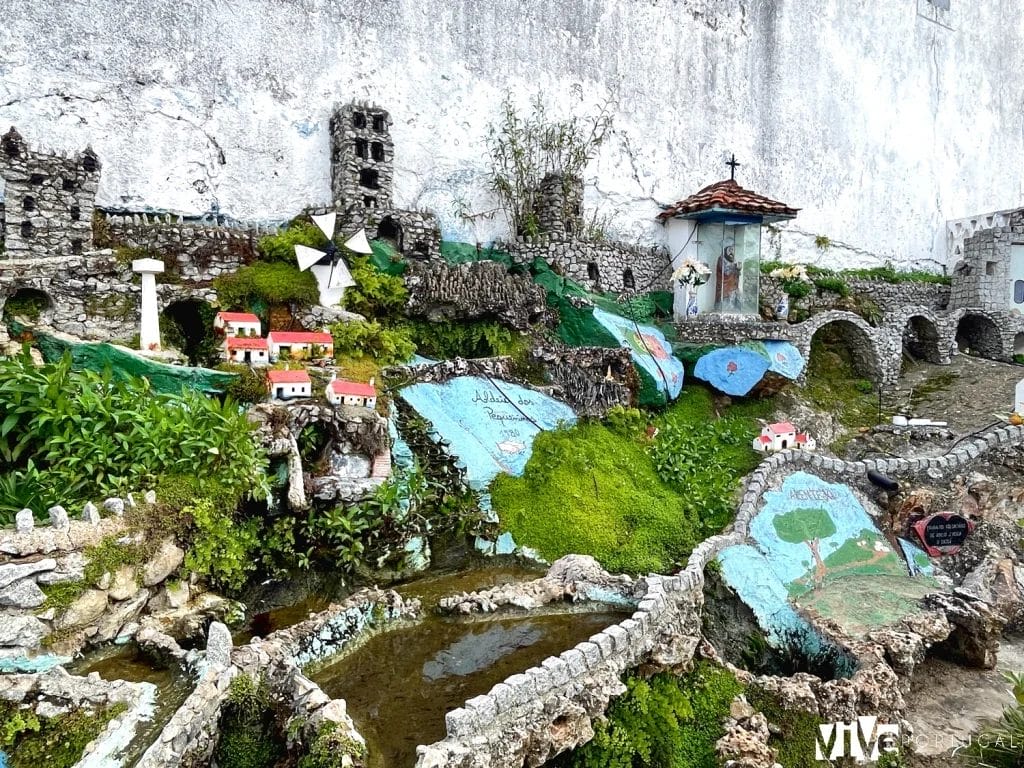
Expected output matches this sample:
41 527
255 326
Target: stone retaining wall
888 297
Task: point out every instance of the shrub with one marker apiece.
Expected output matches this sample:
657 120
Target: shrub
248 738
56 742
1002 745
480 338
331 748
376 294
249 387
222 547
269 283
359 338
663 722
281 246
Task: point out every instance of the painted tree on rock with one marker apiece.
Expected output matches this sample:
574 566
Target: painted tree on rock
807 526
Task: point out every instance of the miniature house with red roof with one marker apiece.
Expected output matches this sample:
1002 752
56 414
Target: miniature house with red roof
720 227
238 324
353 393
285 385
300 344
782 436
247 350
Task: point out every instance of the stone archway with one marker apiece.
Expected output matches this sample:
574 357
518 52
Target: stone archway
30 305
187 324
1018 344
921 339
856 343
979 335
390 230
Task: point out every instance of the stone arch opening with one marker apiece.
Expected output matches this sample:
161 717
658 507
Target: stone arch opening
1018 344
391 231
628 281
921 339
979 335
851 344
187 325
593 271
29 304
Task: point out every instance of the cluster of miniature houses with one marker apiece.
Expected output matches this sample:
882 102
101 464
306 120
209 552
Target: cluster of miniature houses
244 344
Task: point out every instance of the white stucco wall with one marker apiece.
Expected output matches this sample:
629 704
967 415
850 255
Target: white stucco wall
877 121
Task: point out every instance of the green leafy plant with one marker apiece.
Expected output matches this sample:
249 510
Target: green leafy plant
822 242
249 738
31 741
280 247
268 283
478 338
1002 744
376 294
222 548
387 346
332 749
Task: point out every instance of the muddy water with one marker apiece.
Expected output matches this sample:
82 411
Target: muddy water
126 663
400 683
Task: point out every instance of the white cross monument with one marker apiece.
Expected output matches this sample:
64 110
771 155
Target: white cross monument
149 326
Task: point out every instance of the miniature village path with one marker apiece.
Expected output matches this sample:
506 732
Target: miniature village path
968 393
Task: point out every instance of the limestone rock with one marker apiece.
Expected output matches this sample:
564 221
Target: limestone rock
114 506
22 594
218 645
85 610
24 521
745 745
124 584
977 627
13 572
21 631
165 562
90 513
110 623
177 594
59 517
70 567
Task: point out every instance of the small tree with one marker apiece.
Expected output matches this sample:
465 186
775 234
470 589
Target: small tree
526 148
807 526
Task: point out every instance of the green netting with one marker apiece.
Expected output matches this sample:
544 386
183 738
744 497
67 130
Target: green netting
461 253
386 257
169 379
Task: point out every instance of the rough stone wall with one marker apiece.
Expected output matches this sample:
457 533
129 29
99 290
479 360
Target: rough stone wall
559 205
600 266
48 200
592 380
362 158
416 234
889 297
473 291
982 279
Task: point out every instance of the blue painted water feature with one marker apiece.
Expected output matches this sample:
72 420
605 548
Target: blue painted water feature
649 349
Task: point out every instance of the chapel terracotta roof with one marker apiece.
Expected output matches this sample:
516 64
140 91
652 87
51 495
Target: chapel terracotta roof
288 377
358 389
728 195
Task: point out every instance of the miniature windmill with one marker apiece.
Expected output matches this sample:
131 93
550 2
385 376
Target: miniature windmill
328 267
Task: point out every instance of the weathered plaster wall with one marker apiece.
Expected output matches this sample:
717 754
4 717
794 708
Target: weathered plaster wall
880 122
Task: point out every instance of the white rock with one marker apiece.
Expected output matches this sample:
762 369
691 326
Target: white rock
124 584
218 645
22 594
90 513
59 517
165 562
21 631
12 572
24 521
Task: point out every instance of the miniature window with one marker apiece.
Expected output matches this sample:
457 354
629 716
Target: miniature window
76 246
377 150
68 185
76 213
29 203
628 281
36 179
27 230
990 268
89 164
379 123
1018 292
369 178
369 202
361 148
593 272
11 148
358 120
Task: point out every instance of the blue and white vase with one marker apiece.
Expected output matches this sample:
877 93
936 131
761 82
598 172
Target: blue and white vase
691 304
782 308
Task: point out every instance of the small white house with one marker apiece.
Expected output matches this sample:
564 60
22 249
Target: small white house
300 344
782 436
342 392
245 350
238 324
285 385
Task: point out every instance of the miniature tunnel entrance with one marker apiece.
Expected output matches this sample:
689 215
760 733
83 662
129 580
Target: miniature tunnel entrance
921 339
851 344
187 325
391 231
1018 344
979 335
29 304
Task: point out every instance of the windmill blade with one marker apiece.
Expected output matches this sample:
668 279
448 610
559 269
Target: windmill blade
358 243
325 222
307 256
340 276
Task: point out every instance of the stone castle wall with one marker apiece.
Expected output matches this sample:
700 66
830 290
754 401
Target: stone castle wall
982 278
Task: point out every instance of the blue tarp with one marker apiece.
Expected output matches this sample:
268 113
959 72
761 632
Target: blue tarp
732 370
490 426
649 349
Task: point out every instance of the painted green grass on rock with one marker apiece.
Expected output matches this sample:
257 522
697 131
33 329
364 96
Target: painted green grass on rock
635 504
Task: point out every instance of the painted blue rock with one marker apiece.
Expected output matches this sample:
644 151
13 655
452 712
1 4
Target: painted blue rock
732 370
649 349
784 359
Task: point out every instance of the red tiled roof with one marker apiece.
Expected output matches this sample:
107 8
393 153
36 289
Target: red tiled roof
782 427
342 387
288 377
244 342
728 195
764 440
801 438
238 317
300 337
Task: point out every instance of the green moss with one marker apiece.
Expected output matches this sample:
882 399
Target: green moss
267 283
798 730
833 386
331 748
663 722
54 742
281 246
248 736
634 504
62 594
112 306
109 555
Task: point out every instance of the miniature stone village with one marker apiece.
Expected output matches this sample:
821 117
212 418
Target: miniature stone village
917 519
